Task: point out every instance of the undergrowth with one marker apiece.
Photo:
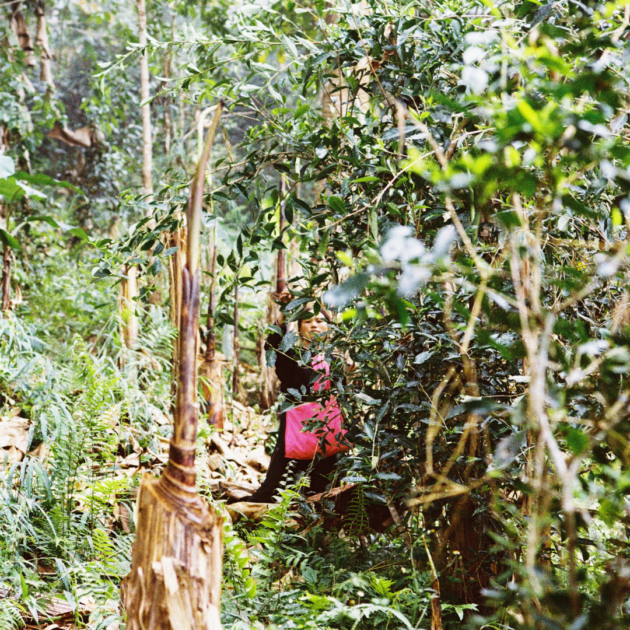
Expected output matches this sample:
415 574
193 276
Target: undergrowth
60 507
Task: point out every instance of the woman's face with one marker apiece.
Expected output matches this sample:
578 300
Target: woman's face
315 326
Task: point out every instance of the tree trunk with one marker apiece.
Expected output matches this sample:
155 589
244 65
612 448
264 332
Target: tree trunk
147 141
129 291
129 287
18 25
175 579
6 280
178 259
281 265
167 97
175 583
236 381
176 265
45 73
270 384
212 386
270 380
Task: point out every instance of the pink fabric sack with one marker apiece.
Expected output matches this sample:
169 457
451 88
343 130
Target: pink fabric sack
301 444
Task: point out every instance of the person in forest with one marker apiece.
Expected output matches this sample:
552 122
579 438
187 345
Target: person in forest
295 443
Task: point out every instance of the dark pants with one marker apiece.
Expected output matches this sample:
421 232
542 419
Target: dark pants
321 469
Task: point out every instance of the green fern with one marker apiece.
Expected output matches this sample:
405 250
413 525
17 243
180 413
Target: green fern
356 520
10 615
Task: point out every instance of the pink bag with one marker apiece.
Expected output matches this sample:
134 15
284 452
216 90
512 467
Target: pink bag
301 444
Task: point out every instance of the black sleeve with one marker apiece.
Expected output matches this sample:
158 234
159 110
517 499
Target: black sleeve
290 374
274 340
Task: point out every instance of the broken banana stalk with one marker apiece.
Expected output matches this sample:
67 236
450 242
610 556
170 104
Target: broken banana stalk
175 579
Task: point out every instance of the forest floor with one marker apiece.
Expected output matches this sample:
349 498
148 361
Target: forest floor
69 493
232 462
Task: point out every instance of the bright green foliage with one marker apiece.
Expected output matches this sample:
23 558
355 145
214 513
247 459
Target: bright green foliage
463 209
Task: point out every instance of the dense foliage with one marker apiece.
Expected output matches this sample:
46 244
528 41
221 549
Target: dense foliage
455 181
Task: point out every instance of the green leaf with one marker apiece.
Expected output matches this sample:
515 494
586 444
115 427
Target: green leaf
373 222
610 511
341 294
369 178
9 240
337 204
80 233
508 218
297 302
45 219
156 267
270 357
288 341
39 179
31 192
325 172
422 357
301 110
577 440
10 190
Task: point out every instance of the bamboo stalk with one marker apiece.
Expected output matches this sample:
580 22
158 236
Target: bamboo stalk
6 279
281 277
211 368
175 579
185 433
210 332
167 65
147 141
236 383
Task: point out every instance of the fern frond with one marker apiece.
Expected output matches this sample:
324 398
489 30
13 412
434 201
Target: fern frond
10 615
356 520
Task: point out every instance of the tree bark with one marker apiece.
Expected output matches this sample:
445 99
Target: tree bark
6 280
270 381
18 25
212 386
147 141
175 583
281 268
168 59
129 291
45 73
130 286
176 265
236 382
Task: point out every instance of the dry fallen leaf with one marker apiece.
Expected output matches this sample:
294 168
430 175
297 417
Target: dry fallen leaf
14 438
331 493
121 512
258 459
41 452
250 511
131 461
235 490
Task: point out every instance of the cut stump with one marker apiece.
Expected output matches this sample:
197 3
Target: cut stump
175 583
